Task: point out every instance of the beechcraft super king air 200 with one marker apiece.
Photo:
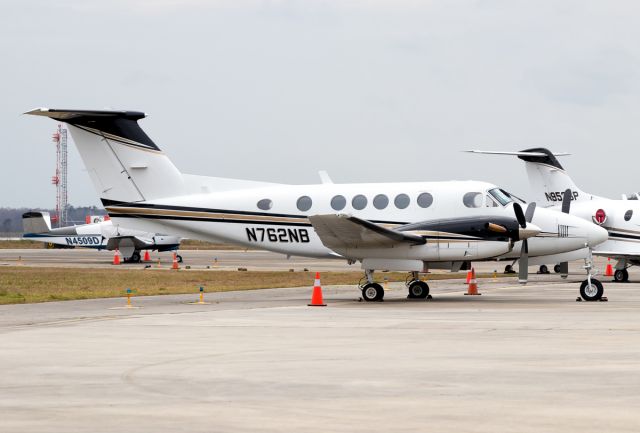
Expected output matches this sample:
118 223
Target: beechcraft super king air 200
621 218
100 235
385 226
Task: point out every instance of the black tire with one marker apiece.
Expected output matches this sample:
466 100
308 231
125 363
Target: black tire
508 269
557 269
179 258
544 269
594 293
621 276
135 257
418 290
372 292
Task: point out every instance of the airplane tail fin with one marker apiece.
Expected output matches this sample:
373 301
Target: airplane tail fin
547 177
124 164
36 222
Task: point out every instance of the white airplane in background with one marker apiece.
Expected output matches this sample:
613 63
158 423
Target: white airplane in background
621 218
98 235
385 226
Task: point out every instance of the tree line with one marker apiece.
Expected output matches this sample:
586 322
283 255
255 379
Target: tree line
11 218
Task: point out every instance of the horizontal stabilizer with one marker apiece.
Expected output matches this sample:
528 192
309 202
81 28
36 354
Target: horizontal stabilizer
345 231
121 126
36 222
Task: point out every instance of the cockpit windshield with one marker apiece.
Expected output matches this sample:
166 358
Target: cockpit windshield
501 196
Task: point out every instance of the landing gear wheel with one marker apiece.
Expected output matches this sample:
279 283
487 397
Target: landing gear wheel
509 269
418 290
372 292
621 276
135 257
179 258
543 269
557 269
591 292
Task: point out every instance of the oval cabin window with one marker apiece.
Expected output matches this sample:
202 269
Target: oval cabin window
265 204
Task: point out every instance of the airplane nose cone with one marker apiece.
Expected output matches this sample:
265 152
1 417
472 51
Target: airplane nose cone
529 231
596 235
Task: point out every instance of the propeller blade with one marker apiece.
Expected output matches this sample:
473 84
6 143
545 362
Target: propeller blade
528 215
564 268
566 201
523 267
519 215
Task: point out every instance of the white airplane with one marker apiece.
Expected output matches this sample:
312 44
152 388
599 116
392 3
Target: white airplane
385 226
99 235
621 218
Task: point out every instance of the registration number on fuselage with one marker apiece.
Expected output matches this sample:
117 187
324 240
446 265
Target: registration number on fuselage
259 234
83 240
559 196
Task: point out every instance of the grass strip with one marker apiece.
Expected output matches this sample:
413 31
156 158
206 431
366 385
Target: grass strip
27 285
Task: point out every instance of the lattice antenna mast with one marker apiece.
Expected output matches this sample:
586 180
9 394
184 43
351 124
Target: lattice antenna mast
60 178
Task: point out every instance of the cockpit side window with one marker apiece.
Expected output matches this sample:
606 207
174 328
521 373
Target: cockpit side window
500 196
490 202
472 199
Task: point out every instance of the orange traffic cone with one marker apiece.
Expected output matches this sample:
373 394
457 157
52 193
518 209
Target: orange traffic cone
468 277
609 269
473 284
147 256
116 257
316 297
175 262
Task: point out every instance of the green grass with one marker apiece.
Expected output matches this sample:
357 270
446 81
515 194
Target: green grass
20 284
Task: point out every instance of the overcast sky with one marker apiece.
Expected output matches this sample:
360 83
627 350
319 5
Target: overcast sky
372 91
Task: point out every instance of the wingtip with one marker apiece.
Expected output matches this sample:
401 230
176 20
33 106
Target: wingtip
37 111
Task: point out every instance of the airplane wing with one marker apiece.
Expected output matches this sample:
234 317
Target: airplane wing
618 254
345 231
122 242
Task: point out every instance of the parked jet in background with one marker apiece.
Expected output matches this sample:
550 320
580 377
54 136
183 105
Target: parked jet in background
621 218
98 235
385 226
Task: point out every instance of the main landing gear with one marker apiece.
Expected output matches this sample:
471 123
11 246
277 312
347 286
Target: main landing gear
543 269
135 257
621 276
417 289
509 268
591 289
374 292
371 291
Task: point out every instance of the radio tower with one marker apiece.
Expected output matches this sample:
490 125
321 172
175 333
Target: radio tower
60 179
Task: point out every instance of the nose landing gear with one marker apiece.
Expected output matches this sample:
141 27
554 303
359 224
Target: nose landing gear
591 289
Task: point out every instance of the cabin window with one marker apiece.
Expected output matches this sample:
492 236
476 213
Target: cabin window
359 202
628 214
265 204
338 202
425 199
472 199
402 201
304 203
380 201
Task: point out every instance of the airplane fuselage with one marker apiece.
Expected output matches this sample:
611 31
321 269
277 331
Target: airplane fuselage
274 218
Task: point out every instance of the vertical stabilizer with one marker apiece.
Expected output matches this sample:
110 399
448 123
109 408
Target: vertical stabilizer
548 179
123 162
